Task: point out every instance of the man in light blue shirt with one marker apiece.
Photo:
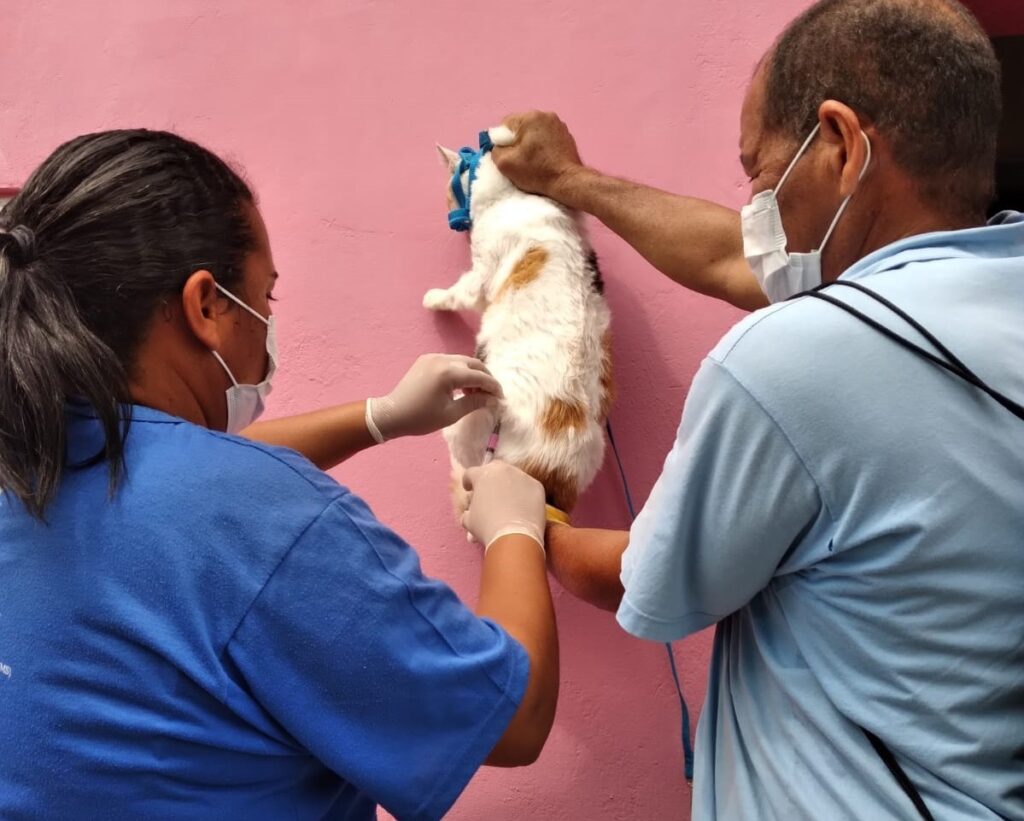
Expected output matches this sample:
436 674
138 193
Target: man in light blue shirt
852 518
849 512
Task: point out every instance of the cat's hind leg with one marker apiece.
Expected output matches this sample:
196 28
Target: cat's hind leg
467 442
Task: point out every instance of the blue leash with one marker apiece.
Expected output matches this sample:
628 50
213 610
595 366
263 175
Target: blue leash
687 746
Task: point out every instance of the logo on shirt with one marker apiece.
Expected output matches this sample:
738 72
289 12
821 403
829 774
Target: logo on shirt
5 670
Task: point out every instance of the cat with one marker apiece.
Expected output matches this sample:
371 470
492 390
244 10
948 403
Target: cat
544 334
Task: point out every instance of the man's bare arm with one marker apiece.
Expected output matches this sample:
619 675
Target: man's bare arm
694 242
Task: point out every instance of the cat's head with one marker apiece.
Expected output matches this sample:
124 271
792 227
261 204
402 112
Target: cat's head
488 184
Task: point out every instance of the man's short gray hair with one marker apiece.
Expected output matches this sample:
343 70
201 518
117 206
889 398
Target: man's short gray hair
922 71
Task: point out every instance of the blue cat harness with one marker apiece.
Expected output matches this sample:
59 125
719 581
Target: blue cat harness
469 160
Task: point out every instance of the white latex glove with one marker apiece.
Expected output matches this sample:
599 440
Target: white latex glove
424 402
503 500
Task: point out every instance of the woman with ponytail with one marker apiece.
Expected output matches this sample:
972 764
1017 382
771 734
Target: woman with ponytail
196 621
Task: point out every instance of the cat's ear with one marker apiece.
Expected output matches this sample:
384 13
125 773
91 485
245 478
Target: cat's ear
449 158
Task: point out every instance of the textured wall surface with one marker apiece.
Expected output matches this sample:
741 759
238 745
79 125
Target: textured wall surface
333 109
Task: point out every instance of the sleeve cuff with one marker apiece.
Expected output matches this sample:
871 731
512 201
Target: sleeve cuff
451 786
638 624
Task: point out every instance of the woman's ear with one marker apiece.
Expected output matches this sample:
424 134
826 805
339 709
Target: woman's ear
843 131
199 307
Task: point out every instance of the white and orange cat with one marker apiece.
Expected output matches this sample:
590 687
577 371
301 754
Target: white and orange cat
544 334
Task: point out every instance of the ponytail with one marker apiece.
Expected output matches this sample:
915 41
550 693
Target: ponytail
47 354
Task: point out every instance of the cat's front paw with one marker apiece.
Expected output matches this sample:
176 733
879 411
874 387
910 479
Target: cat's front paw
501 135
437 299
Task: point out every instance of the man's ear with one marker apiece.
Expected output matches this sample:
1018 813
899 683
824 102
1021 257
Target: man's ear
843 130
199 307
449 158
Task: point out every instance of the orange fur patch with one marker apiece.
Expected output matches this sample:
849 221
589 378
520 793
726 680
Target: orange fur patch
560 488
525 271
561 416
607 378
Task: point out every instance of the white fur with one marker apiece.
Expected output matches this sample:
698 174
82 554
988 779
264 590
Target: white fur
542 342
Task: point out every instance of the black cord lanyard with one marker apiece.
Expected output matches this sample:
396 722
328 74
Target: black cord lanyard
899 774
956 367
951 363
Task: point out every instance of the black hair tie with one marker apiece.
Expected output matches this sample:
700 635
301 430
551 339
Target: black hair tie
19 244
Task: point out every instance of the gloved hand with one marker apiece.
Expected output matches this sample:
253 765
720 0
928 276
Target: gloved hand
503 500
424 402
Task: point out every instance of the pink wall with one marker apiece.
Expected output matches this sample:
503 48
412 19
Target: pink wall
333 109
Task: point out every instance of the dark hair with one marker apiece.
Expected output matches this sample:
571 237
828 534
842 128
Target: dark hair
107 228
923 71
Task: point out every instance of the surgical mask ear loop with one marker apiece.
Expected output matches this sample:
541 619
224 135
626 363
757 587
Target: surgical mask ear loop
237 301
265 320
245 403
227 370
799 154
846 202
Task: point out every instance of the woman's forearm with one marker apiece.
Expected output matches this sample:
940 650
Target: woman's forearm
326 437
514 593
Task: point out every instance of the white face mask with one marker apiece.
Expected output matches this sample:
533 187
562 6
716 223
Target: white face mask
781 274
246 402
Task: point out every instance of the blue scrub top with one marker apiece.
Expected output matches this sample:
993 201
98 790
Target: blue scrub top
232 635
852 518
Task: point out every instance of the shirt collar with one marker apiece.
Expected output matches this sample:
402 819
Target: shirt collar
1003 236
77 406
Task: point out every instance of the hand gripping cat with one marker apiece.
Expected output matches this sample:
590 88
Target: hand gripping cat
544 329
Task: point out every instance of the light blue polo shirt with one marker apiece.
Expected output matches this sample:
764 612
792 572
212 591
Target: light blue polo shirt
852 518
